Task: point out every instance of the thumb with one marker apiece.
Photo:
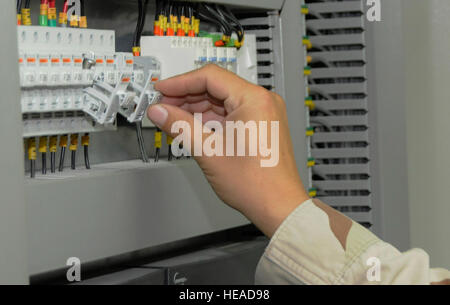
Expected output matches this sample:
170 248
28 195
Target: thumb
165 116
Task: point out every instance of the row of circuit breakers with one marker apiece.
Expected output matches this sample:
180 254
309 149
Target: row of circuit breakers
74 82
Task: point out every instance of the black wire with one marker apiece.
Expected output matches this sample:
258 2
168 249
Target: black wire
143 18
157 154
32 168
73 159
82 7
19 6
44 163
158 150
226 29
170 154
61 159
86 157
136 42
53 162
27 3
234 22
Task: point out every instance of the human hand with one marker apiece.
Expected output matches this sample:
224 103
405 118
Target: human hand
265 195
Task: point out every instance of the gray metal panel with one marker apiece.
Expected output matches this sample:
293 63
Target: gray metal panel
340 88
347 200
270 76
341 169
331 56
340 137
342 104
335 7
294 61
13 254
343 185
346 120
230 264
388 118
337 23
340 153
335 40
117 208
338 72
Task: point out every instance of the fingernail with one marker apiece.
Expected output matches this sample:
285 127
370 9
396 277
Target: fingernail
158 115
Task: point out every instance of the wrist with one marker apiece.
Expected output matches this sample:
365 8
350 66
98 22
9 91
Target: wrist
269 215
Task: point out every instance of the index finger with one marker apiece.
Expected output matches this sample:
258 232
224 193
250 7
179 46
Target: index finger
217 82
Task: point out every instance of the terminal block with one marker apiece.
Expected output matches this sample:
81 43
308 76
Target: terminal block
73 81
130 96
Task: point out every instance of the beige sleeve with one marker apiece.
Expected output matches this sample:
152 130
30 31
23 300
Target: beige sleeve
318 245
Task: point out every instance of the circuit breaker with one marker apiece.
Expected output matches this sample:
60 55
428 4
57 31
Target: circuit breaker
68 76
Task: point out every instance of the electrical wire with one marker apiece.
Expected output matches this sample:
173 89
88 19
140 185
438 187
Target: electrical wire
44 163
27 3
73 148
169 140
82 8
32 156
158 143
140 24
86 157
53 149
85 143
226 13
207 13
19 6
61 159
53 162
62 155
141 143
43 151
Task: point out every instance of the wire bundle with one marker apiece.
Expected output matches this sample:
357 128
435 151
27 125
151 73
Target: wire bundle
169 12
25 13
142 13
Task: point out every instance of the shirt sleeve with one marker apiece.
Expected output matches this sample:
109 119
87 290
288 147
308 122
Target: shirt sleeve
318 245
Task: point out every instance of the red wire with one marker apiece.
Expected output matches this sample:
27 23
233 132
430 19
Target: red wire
44 1
66 6
52 3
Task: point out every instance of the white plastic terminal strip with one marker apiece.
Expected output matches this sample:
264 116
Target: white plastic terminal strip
128 97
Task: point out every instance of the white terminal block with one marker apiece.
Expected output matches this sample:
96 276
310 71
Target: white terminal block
179 55
72 81
52 77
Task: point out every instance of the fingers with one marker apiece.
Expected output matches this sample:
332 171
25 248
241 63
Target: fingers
202 107
218 83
